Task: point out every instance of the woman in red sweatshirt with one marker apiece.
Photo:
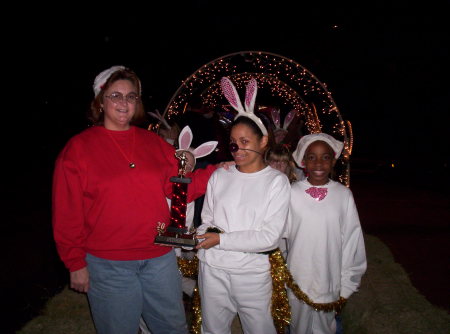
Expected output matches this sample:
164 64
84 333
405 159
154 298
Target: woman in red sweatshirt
109 193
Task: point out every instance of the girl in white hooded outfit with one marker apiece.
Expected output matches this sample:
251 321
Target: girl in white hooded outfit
326 247
248 205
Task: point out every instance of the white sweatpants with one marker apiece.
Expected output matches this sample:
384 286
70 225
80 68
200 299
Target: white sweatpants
305 320
224 294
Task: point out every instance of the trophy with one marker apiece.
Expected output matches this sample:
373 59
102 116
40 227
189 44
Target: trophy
177 234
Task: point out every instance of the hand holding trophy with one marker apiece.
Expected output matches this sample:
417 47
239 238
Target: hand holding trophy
176 234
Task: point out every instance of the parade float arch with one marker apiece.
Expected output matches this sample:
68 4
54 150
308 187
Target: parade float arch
282 83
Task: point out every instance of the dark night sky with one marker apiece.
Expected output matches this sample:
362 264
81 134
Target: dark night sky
385 63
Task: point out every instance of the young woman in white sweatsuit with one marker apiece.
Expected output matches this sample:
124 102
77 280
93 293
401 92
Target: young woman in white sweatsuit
249 204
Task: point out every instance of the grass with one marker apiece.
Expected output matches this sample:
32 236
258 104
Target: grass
67 312
386 303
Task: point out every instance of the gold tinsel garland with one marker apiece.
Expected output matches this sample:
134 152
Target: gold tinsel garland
326 307
196 321
281 312
188 268
281 277
282 274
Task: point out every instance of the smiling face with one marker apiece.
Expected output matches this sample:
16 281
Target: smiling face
247 160
319 161
118 115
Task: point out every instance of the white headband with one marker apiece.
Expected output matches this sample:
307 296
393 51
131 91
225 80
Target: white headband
230 92
101 79
307 140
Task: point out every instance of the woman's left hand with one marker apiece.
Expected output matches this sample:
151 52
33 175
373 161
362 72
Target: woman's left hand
210 239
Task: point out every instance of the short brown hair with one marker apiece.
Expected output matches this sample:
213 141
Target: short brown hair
96 116
280 152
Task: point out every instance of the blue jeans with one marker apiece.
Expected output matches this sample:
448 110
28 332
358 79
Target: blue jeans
121 291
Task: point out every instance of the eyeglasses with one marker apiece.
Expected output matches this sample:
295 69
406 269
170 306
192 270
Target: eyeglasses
118 97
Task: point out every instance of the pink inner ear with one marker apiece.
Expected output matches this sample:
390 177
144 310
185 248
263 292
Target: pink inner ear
250 92
276 117
228 92
205 149
288 119
185 140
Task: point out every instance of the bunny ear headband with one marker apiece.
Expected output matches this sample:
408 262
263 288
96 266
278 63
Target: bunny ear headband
275 114
231 94
184 144
101 79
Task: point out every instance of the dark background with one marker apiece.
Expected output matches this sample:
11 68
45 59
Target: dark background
385 63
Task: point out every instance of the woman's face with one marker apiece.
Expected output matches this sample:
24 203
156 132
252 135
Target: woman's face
246 158
118 105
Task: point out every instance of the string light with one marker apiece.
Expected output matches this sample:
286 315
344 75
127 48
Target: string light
282 82
178 205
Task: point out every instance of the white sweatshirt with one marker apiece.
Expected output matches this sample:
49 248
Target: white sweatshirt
326 256
251 209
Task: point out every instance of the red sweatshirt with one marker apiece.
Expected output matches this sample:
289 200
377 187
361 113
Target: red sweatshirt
102 206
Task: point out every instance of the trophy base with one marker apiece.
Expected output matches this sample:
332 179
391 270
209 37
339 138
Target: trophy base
176 240
180 179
